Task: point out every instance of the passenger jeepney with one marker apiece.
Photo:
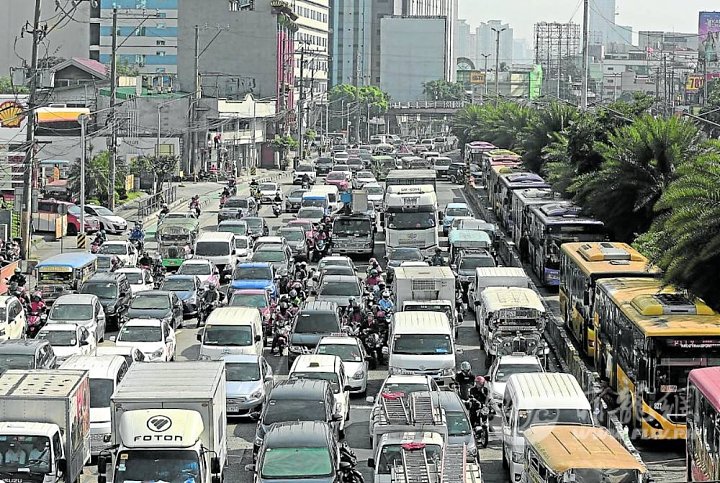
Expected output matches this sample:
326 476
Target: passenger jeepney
172 241
468 241
64 273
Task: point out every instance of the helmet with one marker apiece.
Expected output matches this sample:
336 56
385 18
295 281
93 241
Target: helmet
102 232
373 261
351 300
293 293
164 205
303 264
380 314
438 251
465 366
36 297
252 180
480 381
355 303
211 286
386 294
283 305
18 270
373 272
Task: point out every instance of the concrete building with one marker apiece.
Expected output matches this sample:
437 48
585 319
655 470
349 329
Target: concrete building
656 40
602 21
485 38
465 45
414 52
313 37
147 30
350 41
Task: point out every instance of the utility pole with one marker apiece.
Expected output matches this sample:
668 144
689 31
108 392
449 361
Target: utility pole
485 56
83 159
497 63
113 123
301 103
665 86
193 103
29 162
705 82
559 71
585 54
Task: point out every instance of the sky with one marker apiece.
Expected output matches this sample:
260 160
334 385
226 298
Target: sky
667 15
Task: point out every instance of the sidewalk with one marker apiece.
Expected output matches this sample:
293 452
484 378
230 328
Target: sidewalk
44 247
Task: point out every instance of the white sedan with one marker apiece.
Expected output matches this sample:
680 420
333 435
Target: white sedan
155 338
362 178
205 270
110 222
350 350
124 250
140 279
268 192
68 340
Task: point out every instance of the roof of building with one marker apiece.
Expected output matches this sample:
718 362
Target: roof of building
92 67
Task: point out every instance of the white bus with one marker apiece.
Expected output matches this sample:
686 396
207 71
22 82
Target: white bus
411 218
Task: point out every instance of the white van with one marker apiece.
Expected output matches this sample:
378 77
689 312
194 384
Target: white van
538 398
423 343
312 198
218 247
231 330
332 192
494 277
105 373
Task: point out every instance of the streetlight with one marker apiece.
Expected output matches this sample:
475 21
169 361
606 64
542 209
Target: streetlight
497 62
485 56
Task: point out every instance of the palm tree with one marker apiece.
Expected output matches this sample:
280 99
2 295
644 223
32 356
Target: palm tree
539 133
690 229
639 161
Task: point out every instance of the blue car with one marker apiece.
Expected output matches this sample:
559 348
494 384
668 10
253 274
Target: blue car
254 275
189 289
452 211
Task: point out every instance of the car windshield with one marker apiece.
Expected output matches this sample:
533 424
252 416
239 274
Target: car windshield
268 187
178 285
212 249
242 371
532 417
346 352
140 333
236 203
296 463
374 190
411 220
16 361
228 335
426 344
71 312
311 212
442 162
293 235
458 425
317 202
59 338
143 301
317 323
305 168
254 223
352 227
391 456
461 211
337 270
113 249
102 211
258 301
134 278
336 175
241 243
235 228
195 269
281 410
330 377
406 255
272 256
100 392
345 289
252 273
297 194
103 290
471 263
365 175
504 371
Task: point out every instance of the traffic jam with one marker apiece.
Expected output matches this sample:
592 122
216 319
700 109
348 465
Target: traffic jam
284 310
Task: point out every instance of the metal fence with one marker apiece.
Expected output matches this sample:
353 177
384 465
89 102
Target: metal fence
151 204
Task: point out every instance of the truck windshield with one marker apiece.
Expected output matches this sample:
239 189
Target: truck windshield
426 344
166 466
531 417
391 455
25 454
613 475
411 221
55 277
352 227
228 335
100 392
296 463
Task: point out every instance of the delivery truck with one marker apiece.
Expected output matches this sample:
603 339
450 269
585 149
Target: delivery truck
45 423
426 289
168 424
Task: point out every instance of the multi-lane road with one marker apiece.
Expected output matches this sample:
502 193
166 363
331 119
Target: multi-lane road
665 461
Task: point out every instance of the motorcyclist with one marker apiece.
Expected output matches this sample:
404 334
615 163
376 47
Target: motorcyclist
294 297
373 279
100 237
253 183
478 397
146 260
464 379
385 303
225 192
211 297
281 322
373 264
437 260
301 272
164 210
115 264
284 284
137 235
18 278
357 315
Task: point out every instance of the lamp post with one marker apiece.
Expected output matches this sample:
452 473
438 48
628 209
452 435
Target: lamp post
497 62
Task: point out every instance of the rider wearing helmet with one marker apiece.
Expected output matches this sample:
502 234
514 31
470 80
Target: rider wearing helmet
164 210
373 279
464 379
385 302
18 278
479 396
437 260
100 237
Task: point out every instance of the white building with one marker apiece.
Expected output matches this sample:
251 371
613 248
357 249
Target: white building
486 36
312 38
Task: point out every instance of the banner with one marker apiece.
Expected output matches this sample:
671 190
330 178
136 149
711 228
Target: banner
694 83
709 35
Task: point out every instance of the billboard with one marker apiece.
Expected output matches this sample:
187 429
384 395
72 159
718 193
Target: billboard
694 83
709 35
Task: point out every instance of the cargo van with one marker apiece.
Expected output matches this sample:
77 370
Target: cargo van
218 247
423 343
105 372
311 198
538 399
231 330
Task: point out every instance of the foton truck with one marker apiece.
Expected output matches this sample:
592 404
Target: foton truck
45 421
168 424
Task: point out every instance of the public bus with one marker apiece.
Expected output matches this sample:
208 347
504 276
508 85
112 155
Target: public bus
581 266
702 448
549 226
519 208
503 157
475 150
411 218
655 335
509 183
492 183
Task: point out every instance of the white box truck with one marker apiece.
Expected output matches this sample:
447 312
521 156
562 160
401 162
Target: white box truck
429 289
169 424
45 423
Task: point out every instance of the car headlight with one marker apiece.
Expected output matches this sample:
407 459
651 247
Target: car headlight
257 394
448 372
157 353
394 370
517 457
296 348
204 357
359 374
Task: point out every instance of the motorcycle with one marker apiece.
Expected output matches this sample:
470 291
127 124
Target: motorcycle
281 336
321 250
484 412
348 465
223 199
277 209
374 347
37 316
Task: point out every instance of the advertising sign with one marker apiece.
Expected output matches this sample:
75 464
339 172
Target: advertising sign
709 35
477 77
694 83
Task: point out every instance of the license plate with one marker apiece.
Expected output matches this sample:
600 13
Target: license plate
233 409
668 388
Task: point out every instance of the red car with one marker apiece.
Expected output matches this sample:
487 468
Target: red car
338 178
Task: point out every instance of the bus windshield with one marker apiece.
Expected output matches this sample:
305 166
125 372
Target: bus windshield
603 476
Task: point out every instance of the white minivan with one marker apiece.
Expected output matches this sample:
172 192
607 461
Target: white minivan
538 398
105 373
218 247
423 343
231 330
332 192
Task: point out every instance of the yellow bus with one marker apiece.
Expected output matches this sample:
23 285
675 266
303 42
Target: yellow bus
555 454
581 265
652 336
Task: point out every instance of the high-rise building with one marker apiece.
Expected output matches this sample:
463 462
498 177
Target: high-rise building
350 34
601 23
485 41
312 40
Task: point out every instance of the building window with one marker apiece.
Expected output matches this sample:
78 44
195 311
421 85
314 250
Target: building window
160 53
159 42
239 5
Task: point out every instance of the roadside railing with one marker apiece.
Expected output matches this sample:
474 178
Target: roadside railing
151 204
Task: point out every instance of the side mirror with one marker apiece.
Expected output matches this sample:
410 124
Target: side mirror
215 467
250 468
370 400
255 415
371 462
347 388
459 351
199 336
101 464
337 417
268 378
453 267
258 338
113 338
